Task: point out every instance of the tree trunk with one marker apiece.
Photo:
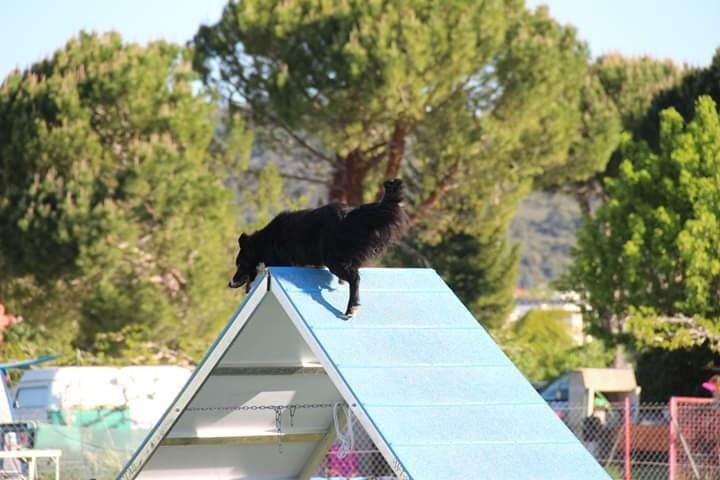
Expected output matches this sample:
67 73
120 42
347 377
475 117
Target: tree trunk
348 179
396 153
397 150
351 171
586 192
620 359
583 200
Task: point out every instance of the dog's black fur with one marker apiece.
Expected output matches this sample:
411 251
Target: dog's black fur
336 236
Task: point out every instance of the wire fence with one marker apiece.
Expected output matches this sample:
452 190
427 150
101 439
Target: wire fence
620 438
86 453
675 441
694 439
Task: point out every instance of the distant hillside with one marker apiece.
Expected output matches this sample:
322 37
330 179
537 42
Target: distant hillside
545 225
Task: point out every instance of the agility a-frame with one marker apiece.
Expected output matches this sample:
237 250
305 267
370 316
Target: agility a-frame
419 376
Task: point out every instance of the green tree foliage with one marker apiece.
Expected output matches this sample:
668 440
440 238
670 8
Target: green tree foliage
476 258
681 96
630 85
547 225
648 261
116 232
470 102
483 92
624 90
541 346
599 131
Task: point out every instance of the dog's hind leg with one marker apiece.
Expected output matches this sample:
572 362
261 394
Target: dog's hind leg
354 300
351 276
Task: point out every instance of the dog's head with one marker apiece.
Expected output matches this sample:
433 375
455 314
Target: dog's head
246 263
393 190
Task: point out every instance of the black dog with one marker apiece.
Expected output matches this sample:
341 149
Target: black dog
334 235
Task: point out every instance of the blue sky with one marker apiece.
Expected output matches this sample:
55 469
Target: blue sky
33 29
686 31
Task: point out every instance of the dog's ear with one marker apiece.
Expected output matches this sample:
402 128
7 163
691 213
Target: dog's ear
242 241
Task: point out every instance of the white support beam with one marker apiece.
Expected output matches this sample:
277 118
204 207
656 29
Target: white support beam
268 370
318 455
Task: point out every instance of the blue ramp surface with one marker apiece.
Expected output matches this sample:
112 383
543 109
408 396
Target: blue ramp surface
436 387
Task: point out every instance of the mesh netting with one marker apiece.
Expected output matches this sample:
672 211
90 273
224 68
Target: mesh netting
637 439
361 460
677 441
97 453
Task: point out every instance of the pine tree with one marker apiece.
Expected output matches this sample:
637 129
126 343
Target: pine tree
116 231
471 103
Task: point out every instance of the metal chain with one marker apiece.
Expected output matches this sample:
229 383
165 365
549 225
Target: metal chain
278 428
276 408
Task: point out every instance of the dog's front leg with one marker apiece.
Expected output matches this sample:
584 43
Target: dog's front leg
350 275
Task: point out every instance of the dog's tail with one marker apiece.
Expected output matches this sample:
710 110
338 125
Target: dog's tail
393 196
393 191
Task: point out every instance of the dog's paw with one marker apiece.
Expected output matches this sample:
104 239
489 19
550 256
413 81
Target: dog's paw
351 312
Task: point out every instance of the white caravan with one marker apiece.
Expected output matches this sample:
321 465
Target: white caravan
143 392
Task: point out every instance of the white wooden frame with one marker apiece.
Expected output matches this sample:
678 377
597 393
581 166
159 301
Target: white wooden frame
32 455
145 451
